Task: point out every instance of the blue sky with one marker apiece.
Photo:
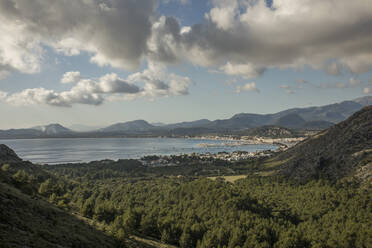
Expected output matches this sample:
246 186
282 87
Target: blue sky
241 60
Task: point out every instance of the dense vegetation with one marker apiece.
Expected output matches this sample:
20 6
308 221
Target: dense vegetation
199 212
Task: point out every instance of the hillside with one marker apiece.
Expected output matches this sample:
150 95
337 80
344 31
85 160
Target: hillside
334 153
34 211
31 222
8 155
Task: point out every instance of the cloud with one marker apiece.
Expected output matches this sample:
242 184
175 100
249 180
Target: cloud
160 83
37 96
111 83
245 37
70 77
284 86
86 91
223 14
157 83
247 87
238 37
107 30
367 90
290 92
244 70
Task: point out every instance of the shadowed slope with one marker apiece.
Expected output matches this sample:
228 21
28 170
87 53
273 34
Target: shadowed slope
333 153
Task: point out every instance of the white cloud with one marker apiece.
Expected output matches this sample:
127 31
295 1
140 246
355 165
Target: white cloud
247 87
157 83
284 86
160 83
37 96
244 70
367 90
223 14
70 77
86 91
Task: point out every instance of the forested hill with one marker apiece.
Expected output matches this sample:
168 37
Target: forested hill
107 203
342 150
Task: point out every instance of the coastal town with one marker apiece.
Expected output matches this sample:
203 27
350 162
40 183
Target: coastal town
203 158
231 140
281 144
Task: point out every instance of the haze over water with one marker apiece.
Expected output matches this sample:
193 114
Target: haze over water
54 151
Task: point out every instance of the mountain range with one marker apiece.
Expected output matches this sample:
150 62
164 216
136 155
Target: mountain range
311 118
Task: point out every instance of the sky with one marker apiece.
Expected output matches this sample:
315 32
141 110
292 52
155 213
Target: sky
99 62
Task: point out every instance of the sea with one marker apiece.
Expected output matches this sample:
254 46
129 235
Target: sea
78 150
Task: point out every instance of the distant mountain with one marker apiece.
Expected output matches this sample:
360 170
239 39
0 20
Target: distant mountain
52 129
241 121
332 113
83 128
158 124
299 118
312 118
342 150
189 124
131 126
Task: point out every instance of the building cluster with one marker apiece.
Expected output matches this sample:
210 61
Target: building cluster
202 158
236 156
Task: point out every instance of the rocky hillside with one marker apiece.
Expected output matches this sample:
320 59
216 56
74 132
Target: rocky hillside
342 150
